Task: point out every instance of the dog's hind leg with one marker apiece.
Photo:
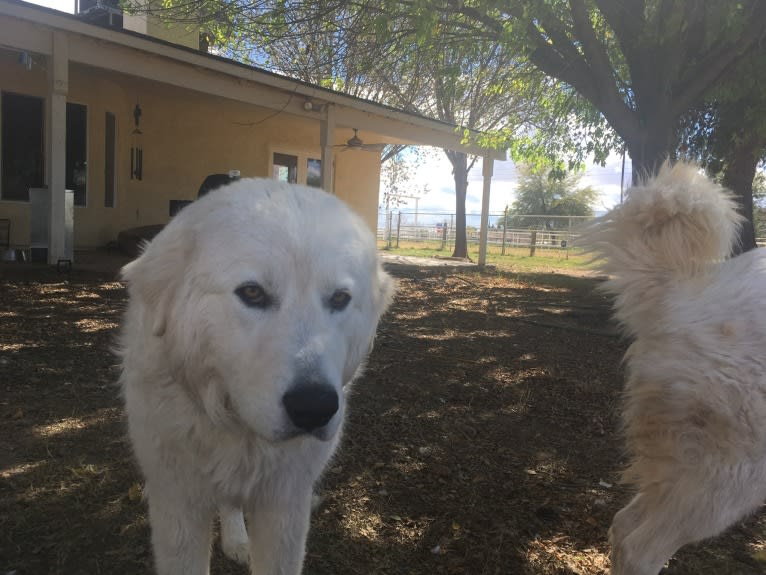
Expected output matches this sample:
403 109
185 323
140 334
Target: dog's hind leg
626 521
665 516
629 555
234 539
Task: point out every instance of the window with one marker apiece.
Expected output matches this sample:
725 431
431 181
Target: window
285 168
110 159
314 172
76 152
23 160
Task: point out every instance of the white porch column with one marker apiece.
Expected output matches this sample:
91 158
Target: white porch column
58 86
326 139
487 164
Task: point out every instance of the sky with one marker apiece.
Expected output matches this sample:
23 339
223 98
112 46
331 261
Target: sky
436 175
63 5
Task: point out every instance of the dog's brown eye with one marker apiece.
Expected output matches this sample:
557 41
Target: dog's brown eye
339 300
253 295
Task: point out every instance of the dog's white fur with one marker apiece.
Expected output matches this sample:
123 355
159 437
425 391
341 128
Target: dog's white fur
695 410
204 375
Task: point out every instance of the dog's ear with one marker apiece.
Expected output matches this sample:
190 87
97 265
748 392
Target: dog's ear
155 276
383 294
384 291
382 288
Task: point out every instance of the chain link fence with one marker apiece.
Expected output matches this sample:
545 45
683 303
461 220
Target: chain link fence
506 232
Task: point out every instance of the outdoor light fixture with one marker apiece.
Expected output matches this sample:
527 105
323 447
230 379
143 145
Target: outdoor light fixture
137 118
308 105
25 60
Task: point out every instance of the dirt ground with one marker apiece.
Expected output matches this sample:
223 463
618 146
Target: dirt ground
483 438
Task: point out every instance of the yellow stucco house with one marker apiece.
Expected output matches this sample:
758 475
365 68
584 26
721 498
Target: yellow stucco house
132 116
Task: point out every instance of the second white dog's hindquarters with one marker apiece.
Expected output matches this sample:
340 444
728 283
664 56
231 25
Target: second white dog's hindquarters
699 503
695 395
248 315
694 417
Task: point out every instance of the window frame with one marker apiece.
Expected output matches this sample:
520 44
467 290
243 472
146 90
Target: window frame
303 155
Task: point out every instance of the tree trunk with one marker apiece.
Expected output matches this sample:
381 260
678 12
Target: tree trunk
649 149
738 176
459 161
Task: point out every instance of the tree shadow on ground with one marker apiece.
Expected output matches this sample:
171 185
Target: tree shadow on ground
482 439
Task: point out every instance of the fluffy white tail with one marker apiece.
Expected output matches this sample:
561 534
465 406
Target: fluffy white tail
672 227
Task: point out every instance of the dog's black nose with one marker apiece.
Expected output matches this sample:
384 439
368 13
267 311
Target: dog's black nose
310 405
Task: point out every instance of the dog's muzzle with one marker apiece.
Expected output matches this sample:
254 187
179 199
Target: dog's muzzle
311 406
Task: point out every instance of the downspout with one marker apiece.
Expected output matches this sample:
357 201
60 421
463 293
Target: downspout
326 139
487 165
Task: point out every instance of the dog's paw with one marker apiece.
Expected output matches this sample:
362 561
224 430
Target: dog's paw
238 551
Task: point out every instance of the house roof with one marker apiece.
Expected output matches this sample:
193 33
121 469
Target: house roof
127 52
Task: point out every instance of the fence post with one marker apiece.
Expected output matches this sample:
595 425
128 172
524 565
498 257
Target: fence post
502 249
388 225
505 227
533 244
444 235
398 228
451 224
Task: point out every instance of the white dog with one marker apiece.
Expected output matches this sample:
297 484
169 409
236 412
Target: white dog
695 411
248 315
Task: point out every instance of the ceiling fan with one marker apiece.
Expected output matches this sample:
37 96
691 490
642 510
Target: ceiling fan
356 143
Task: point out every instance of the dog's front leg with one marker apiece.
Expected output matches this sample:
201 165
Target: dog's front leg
278 531
181 533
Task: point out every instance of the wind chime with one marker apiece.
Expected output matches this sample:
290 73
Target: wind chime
136 151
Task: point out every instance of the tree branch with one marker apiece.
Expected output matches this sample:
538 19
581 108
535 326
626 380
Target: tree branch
625 18
712 65
598 89
601 68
